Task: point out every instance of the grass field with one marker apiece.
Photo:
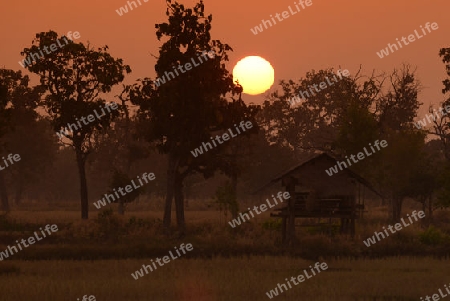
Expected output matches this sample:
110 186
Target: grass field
222 279
96 257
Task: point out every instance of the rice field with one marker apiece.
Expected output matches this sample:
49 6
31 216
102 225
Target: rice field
202 279
221 279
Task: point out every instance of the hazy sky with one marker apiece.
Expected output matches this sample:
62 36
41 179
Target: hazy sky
330 33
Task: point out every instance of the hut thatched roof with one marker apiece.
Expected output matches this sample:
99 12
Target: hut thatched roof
314 157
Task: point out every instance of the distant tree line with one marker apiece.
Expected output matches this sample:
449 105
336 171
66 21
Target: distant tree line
156 127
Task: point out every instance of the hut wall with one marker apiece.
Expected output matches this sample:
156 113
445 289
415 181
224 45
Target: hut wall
313 176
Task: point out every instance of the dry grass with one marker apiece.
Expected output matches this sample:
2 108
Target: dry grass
29 212
224 279
63 216
217 279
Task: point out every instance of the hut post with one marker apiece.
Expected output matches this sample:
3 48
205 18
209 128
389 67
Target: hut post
289 183
283 230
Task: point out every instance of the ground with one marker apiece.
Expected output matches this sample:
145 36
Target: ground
96 257
219 279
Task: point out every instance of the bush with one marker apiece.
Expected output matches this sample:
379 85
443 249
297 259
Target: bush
226 198
7 268
7 224
272 224
432 236
109 225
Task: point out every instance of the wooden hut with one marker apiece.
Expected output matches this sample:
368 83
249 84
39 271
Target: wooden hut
316 194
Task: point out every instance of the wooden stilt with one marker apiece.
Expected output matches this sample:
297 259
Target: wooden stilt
353 228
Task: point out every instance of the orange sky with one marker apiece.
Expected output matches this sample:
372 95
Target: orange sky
329 33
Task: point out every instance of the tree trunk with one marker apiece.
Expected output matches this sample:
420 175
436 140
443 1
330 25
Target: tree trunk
171 172
430 208
234 206
179 205
4 194
290 235
19 190
81 160
396 208
291 222
129 157
121 207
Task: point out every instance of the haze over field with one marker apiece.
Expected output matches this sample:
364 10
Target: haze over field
224 150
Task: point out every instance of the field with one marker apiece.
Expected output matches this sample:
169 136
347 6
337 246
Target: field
96 257
222 279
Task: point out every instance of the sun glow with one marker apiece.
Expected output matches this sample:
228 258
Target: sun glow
255 74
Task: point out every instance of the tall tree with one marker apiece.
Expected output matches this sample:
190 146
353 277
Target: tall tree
441 125
397 108
399 166
186 111
119 148
4 121
400 162
19 101
425 181
441 128
74 76
307 121
37 145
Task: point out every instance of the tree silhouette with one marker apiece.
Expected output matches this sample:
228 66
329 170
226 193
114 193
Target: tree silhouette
441 129
19 101
189 109
73 77
37 145
4 120
441 126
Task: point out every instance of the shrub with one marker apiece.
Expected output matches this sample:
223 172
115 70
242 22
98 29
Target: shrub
7 268
272 224
226 198
431 236
7 224
121 179
108 224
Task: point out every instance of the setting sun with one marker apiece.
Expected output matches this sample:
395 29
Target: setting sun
255 74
